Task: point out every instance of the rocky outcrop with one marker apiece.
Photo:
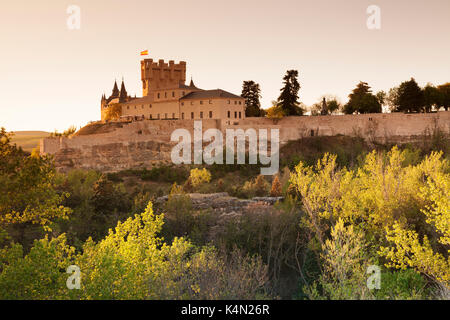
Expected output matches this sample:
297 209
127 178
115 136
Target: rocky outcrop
221 203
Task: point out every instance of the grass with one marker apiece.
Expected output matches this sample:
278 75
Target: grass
28 140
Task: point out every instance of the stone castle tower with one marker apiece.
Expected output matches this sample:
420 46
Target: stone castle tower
160 75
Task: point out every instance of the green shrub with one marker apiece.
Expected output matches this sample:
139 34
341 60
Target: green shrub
403 285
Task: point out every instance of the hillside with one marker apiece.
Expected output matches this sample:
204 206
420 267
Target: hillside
28 140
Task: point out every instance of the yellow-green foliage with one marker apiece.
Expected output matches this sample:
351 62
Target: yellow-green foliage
38 275
344 265
198 177
131 262
407 249
27 187
390 200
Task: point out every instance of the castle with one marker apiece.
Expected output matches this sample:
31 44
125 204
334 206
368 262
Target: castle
166 96
142 137
115 97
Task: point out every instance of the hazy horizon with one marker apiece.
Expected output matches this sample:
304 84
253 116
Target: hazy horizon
53 77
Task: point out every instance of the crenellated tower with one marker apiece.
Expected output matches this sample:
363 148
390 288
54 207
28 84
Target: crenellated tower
160 75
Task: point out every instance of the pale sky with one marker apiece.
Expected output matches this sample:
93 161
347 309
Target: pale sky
52 77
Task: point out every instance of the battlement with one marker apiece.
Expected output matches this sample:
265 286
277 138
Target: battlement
142 144
161 75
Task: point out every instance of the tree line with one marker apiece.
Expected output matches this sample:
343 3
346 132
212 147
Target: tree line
408 97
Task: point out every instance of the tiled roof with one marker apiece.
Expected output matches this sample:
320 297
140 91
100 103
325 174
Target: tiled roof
208 94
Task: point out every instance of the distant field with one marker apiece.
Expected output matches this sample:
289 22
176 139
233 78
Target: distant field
28 140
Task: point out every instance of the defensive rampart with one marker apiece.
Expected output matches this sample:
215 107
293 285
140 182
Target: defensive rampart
117 146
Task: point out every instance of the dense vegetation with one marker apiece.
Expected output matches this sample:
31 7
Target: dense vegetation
407 97
347 206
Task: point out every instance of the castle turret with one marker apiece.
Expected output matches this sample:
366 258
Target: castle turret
103 101
115 92
123 93
192 85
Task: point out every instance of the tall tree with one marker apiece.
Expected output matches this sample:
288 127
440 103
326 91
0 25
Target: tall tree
27 189
410 97
288 100
361 100
444 96
251 93
391 98
431 96
381 96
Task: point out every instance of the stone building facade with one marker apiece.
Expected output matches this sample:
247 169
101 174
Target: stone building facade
166 96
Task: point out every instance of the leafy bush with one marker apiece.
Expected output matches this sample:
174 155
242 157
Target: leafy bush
390 201
258 187
199 177
131 262
404 285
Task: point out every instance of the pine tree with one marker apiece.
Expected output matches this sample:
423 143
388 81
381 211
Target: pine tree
251 94
288 100
276 187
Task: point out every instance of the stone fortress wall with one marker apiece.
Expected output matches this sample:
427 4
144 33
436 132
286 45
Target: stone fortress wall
118 146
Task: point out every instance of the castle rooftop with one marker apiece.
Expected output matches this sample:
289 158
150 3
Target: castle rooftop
209 94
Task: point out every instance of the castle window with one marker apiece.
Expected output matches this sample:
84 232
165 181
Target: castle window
173 93
151 117
201 102
240 102
210 102
239 114
210 114
173 115
201 114
235 102
165 94
312 133
235 114
192 115
159 95
182 115
150 105
128 107
165 115
229 114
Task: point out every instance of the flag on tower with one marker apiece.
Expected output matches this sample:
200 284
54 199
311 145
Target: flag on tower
144 53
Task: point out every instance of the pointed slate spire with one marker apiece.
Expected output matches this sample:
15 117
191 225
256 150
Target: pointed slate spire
192 83
123 92
115 92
